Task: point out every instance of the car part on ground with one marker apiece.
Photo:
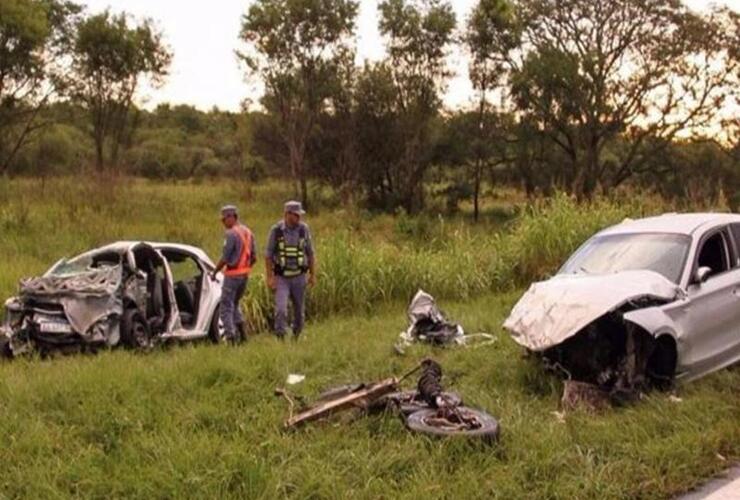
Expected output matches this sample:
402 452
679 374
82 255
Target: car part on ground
408 402
124 293
427 323
429 409
639 305
445 417
457 421
361 398
585 396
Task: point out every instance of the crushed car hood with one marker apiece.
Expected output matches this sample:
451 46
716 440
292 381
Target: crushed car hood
104 281
86 297
552 311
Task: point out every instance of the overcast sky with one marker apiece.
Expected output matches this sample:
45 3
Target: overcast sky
204 37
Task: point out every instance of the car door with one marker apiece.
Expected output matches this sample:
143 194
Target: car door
710 317
205 294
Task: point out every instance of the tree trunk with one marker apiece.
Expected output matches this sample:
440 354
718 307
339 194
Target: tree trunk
476 190
99 153
304 190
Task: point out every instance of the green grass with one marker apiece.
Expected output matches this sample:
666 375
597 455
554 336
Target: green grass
202 422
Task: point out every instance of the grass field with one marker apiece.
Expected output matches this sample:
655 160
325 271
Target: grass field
201 421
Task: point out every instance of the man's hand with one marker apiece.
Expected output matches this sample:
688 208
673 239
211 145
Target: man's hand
311 280
272 282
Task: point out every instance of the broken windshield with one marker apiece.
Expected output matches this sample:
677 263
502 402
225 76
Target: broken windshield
662 253
85 262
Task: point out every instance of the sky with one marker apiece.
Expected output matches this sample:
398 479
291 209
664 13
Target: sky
204 37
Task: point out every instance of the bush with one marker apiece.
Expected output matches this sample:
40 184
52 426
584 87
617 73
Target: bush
452 264
59 149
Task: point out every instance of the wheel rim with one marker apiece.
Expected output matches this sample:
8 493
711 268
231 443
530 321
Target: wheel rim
140 336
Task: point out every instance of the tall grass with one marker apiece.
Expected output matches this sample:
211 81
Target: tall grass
364 260
453 260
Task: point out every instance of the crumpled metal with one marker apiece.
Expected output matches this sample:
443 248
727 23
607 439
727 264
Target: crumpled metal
554 310
428 323
87 299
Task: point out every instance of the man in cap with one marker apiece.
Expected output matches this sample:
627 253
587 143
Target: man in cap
238 258
291 265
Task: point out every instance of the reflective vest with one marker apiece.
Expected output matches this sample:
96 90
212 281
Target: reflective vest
290 260
244 264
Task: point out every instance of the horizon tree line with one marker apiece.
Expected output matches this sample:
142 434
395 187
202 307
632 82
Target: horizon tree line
573 95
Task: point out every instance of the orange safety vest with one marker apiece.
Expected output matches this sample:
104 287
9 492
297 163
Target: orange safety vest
244 264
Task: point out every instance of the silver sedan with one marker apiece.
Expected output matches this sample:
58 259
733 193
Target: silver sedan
645 301
130 292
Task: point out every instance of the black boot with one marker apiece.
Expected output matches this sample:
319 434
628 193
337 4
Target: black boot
242 335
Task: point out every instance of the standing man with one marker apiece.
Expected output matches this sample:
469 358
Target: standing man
291 265
239 255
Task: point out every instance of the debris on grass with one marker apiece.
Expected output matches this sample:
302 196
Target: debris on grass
295 378
427 323
428 410
589 397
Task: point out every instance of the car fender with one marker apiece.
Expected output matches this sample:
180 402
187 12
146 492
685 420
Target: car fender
657 323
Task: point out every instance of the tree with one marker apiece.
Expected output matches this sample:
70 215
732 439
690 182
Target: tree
418 35
296 47
34 38
112 56
613 83
489 31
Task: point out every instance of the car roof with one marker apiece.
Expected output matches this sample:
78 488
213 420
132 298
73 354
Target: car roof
124 246
687 223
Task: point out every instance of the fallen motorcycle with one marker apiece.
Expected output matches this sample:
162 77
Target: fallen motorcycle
428 409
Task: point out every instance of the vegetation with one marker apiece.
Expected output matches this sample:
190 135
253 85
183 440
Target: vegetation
365 260
584 113
202 421
581 98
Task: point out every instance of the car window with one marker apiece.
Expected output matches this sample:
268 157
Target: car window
86 262
735 231
183 266
714 254
664 253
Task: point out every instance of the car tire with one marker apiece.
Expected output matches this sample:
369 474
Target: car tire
214 328
135 333
5 351
488 431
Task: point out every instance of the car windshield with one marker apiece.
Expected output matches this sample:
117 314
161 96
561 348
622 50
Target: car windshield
662 253
85 262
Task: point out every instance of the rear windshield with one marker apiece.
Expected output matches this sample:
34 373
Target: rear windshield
663 253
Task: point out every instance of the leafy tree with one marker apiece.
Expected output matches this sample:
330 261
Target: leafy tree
489 31
409 85
34 38
112 56
296 47
613 83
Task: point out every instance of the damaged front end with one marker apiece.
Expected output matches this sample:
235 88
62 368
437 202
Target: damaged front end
581 327
64 312
613 354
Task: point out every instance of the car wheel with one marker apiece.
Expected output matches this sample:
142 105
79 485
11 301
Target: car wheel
438 422
5 351
215 331
135 333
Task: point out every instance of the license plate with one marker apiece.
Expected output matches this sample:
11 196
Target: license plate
55 327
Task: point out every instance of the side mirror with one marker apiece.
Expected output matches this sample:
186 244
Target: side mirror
702 274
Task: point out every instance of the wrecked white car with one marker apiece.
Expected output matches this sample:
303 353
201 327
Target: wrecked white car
125 293
643 302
